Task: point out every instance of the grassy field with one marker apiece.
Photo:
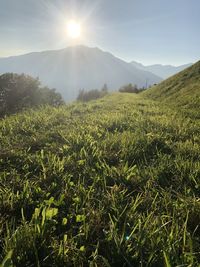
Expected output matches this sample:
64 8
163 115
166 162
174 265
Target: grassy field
181 90
114 182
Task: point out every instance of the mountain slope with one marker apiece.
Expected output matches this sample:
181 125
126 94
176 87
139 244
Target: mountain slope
163 71
183 89
74 68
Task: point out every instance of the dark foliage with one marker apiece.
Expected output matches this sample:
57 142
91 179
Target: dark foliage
18 92
129 88
85 96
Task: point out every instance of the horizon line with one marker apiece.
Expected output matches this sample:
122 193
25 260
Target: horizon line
92 47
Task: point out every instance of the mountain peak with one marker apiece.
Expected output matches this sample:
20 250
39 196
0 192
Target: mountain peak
75 67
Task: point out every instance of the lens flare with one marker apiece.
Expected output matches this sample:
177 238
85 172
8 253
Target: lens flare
73 29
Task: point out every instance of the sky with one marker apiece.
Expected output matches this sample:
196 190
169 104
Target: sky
147 31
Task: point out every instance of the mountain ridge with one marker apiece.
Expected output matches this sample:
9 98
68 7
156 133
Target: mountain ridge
77 67
163 71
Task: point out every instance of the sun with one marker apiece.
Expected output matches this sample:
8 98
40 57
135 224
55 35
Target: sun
73 29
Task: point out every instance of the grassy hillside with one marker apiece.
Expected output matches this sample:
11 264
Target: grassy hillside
114 182
183 89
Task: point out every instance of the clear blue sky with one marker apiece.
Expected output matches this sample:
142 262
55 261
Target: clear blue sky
148 31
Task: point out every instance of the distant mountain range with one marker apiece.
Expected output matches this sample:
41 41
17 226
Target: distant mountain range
79 67
163 71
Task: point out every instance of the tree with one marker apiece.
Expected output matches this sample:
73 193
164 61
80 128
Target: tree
81 94
85 96
129 88
18 92
104 88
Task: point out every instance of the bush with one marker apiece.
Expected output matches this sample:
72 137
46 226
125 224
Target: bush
18 92
85 96
129 88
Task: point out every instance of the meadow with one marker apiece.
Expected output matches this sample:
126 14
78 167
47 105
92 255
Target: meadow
111 182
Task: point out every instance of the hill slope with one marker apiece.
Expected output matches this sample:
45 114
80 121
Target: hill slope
75 68
163 71
114 182
183 89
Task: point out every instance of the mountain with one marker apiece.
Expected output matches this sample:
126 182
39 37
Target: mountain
74 68
163 71
182 89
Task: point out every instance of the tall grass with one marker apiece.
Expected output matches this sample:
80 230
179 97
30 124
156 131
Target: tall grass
113 182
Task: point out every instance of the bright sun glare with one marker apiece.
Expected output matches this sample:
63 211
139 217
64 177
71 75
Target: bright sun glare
73 29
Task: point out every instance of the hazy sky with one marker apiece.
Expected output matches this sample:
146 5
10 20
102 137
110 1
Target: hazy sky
148 31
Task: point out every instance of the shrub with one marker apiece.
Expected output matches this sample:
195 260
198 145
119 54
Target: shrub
85 96
20 91
129 88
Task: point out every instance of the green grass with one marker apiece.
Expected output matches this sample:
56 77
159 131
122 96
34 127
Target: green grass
181 90
114 182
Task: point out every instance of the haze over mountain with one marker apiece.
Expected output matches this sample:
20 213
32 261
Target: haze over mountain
78 67
163 71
